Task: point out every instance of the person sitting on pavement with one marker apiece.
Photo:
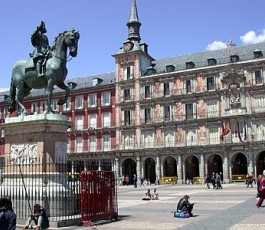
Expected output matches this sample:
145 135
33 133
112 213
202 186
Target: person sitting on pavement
155 195
39 217
184 206
147 196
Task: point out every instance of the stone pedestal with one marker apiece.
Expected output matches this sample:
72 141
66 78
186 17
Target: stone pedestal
35 168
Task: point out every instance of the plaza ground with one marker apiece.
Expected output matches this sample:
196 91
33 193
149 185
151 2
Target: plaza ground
233 208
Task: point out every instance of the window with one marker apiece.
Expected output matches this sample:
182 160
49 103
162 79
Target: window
79 102
188 86
128 76
106 120
212 61
167 113
105 99
190 65
147 91
92 100
210 83
258 54
92 121
43 106
79 144
127 117
189 111
127 72
147 115
127 94
92 144
258 76
67 105
128 141
55 105
34 107
234 58
106 142
79 122
166 89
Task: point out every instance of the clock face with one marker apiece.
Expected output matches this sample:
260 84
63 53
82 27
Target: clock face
127 46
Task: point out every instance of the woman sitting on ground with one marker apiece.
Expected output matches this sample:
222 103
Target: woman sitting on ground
155 195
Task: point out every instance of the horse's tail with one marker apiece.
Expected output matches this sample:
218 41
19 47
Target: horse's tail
12 99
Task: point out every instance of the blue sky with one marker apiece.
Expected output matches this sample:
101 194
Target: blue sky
169 27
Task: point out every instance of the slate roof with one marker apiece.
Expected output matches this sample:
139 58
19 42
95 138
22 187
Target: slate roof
200 59
222 56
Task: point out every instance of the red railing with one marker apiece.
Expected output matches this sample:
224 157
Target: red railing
98 196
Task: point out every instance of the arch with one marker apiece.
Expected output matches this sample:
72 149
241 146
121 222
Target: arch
191 167
129 168
149 168
214 164
170 166
260 162
239 164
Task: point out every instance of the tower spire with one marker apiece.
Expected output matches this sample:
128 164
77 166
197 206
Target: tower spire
134 24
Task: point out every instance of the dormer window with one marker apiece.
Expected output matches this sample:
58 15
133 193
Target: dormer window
258 54
212 61
234 58
190 65
170 68
96 81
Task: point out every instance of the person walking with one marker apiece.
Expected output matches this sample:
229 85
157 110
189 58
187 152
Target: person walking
135 181
218 181
8 217
207 181
261 190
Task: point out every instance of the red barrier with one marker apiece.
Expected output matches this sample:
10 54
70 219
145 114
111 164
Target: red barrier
98 195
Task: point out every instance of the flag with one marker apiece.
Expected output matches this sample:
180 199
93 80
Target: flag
225 129
245 130
238 131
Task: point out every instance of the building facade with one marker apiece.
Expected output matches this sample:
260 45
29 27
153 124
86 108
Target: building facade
181 117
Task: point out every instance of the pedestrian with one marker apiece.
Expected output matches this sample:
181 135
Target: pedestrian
39 217
135 181
8 217
218 181
127 180
207 181
250 180
261 190
142 181
213 180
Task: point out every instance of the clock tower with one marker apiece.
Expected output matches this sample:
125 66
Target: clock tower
132 62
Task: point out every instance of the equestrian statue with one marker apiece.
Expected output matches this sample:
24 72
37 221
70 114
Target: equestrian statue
45 68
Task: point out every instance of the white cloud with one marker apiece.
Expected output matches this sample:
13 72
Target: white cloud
3 89
251 37
216 45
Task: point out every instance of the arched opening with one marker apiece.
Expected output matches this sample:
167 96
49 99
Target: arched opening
191 167
261 163
129 169
150 173
215 164
170 167
239 164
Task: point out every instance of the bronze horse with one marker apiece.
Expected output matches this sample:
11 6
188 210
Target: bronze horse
24 75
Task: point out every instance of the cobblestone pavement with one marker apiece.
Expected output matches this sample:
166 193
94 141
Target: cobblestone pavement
233 208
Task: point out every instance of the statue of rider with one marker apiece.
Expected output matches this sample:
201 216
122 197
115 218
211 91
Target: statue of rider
41 43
